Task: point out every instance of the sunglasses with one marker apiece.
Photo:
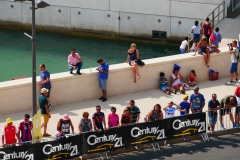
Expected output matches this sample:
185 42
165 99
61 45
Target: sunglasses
85 116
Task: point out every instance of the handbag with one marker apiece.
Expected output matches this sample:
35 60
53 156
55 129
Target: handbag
140 62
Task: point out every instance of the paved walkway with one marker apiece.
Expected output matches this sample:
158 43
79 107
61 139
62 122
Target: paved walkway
145 100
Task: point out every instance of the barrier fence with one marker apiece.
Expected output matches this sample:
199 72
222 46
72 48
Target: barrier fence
114 138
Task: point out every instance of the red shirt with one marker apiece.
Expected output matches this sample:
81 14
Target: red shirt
237 91
10 132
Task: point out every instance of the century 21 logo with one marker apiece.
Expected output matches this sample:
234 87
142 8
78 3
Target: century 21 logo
48 149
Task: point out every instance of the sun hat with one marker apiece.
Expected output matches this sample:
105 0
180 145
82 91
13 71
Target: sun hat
44 90
185 96
65 117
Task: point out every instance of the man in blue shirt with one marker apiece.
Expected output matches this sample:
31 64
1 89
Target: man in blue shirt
102 77
197 101
184 106
45 80
218 37
213 106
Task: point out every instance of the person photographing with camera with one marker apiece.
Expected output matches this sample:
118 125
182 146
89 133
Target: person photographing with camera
234 51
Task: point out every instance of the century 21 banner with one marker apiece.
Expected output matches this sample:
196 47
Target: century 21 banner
93 142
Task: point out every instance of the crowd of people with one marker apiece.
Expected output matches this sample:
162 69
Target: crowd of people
131 115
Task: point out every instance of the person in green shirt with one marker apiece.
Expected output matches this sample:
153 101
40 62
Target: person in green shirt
43 103
227 103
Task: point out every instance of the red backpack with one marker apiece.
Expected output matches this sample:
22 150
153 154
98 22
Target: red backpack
212 37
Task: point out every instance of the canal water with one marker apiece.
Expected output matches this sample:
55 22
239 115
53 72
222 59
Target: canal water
54 48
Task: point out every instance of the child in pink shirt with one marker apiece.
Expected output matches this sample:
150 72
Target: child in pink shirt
113 119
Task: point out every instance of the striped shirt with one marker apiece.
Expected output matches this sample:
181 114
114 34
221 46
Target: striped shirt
26 134
135 111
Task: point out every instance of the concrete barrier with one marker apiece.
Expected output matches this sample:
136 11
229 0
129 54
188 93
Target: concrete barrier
16 95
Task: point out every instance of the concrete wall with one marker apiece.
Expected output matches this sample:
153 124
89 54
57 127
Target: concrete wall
16 96
96 16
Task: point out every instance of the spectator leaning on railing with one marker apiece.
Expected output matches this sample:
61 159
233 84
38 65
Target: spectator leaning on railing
64 124
113 118
155 114
126 118
197 101
25 129
135 112
85 124
98 120
9 134
213 106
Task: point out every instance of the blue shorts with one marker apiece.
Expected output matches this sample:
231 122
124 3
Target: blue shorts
233 68
183 50
164 88
212 120
103 84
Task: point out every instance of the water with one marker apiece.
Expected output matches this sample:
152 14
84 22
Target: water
54 48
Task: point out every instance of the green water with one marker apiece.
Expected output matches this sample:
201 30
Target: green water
54 48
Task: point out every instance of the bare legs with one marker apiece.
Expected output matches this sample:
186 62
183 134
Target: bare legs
135 71
104 92
206 57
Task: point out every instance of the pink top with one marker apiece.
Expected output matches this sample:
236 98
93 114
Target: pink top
73 60
113 120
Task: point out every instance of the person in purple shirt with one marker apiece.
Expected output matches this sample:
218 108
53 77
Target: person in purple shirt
102 77
218 37
45 80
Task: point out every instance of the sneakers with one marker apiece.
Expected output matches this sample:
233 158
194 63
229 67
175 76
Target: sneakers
166 143
234 125
78 73
229 83
71 72
101 98
104 99
46 135
222 127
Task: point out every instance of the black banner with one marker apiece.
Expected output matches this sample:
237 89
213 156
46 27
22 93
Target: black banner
123 137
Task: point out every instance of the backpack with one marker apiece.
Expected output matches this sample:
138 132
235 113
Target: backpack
85 127
212 37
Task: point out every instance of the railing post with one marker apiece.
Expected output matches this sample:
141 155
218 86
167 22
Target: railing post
213 19
218 13
223 10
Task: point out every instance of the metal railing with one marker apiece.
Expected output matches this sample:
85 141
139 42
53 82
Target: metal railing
217 15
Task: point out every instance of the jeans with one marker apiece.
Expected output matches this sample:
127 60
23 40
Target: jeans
78 65
183 50
196 36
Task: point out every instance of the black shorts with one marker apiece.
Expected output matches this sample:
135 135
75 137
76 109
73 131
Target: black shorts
237 110
223 111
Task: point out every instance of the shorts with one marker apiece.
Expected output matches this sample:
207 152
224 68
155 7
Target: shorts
212 120
45 118
49 89
103 84
223 111
237 110
164 88
233 68
177 85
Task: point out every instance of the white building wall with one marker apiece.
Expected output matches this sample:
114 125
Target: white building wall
93 17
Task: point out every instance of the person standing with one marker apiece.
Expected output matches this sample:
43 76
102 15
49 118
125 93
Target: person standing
134 110
85 124
234 51
207 29
237 95
213 106
9 134
155 114
98 120
43 103
74 61
113 119
132 58
64 124
184 106
197 31
126 118
226 104
25 130
45 80
197 101
218 37
102 78
184 46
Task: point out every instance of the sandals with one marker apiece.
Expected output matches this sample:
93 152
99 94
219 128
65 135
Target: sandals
207 65
46 135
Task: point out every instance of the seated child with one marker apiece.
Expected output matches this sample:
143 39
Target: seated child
191 80
194 45
163 84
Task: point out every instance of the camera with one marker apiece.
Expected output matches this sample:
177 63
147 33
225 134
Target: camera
229 44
